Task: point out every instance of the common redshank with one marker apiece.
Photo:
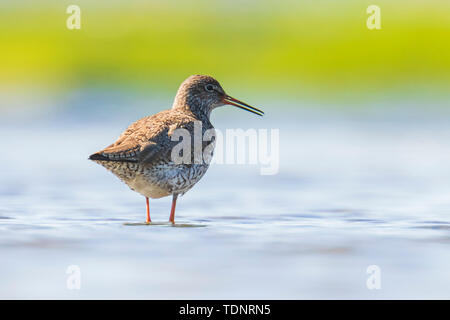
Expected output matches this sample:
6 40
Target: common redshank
142 155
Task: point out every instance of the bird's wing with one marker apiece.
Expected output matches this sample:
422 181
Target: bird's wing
145 139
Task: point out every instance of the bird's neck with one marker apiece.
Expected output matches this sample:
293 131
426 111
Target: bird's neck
192 106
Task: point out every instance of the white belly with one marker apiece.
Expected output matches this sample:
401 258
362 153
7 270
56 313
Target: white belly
166 179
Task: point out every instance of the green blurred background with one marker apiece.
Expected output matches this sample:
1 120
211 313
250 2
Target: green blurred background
319 50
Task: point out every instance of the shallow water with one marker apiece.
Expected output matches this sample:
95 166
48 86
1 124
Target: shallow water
352 191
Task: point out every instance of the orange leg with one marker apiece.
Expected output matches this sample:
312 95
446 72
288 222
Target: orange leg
172 212
148 211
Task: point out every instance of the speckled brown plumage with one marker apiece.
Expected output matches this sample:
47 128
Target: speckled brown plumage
141 156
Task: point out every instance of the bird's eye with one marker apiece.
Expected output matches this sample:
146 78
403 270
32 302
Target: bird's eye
209 87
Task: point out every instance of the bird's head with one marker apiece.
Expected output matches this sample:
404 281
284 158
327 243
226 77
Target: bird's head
201 94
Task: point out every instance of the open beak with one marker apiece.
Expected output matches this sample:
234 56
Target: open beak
235 102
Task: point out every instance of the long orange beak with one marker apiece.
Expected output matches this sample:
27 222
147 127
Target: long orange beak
235 102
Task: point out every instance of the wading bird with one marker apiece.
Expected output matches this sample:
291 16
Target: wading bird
142 156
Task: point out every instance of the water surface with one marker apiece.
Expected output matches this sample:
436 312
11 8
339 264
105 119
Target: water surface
352 191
